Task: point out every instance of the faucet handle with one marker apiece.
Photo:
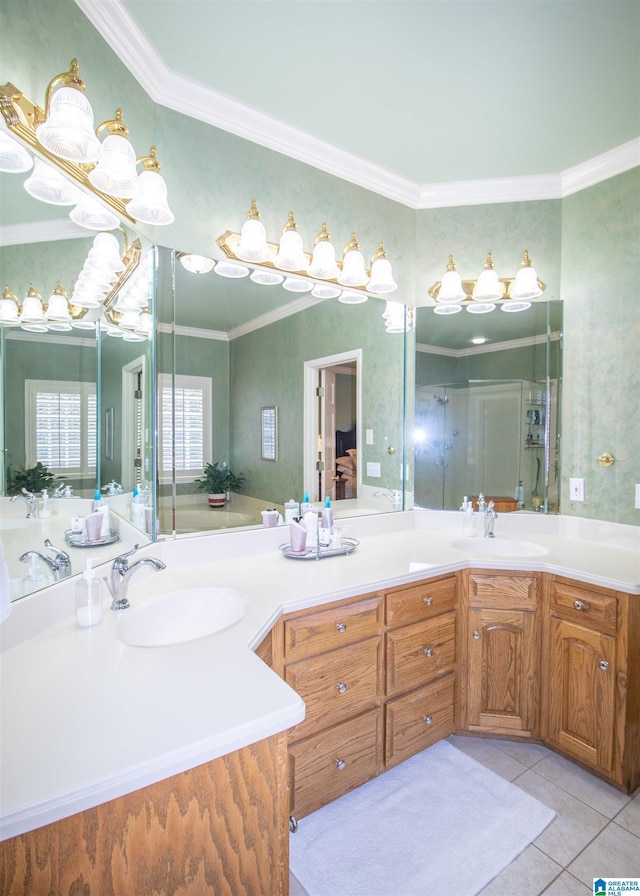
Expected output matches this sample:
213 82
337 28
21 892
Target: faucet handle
62 558
120 561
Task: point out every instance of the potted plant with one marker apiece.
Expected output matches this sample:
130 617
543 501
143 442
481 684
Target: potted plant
217 481
34 479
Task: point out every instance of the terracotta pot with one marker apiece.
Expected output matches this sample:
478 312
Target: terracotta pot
217 500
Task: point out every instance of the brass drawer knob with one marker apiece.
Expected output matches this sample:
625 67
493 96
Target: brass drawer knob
428 651
578 604
428 601
428 720
603 665
340 764
341 626
341 687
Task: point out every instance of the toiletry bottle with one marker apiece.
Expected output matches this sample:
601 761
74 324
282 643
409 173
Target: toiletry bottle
98 501
88 597
44 510
469 521
327 514
291 511
304 507
35 578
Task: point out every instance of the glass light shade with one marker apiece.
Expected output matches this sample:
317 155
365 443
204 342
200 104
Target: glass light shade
8 312
35 328
325 291
196 264
266 278
381 280
144 324
93 215
525 285
231 270
297 284
447 309
514 306
253 238
58 308
83 324
291 255
323 261
349 297
481 308
68 131
451 288
48 185
86 296
59 326
130 319
394 317
116 332
32 312
14 158
353 272
151 206
104 254
488 287
115 174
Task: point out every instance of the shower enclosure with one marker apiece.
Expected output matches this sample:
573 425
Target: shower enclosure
486 436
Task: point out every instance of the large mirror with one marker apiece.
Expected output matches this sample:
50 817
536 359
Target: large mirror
488 390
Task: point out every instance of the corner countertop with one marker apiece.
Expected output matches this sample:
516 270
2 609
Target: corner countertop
87 719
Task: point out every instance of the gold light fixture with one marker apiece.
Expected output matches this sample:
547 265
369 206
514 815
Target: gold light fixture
62 134
489 291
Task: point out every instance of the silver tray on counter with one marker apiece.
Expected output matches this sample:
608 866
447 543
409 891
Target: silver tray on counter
347 546
80 540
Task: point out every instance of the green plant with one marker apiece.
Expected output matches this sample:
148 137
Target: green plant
34 479
219 478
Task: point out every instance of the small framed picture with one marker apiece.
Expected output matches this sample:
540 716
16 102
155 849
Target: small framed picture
269 421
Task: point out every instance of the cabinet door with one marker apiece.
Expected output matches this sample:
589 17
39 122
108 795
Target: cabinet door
502 679
581 692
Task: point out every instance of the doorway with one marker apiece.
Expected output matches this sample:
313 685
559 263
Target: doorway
135 466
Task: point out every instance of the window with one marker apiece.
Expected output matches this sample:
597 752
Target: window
60 426
185 426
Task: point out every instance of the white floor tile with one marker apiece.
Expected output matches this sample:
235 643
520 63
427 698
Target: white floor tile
629 818
582 784
614 853
488 754
528 875
567 885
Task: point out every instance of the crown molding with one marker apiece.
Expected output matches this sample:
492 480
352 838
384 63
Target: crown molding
489 348
176 92
51 338
41 232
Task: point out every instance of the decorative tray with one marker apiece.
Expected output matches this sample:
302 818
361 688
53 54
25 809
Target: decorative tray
80 540
347 546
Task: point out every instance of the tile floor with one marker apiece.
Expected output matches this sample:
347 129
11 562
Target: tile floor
596 831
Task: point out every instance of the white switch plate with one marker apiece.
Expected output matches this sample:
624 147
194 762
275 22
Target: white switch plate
373 470
576 489
637 495
369 438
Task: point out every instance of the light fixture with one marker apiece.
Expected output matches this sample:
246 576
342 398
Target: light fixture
325 291
9 309
351 297
62 133
297 284
290 255
266 278
14 158
46 184
353 272
253 238
488 287
93 215
323 261
231 270
397 317
483 295
381 280
58 307
195 264
32 312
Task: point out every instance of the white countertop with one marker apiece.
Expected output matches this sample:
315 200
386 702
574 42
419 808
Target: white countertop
86 719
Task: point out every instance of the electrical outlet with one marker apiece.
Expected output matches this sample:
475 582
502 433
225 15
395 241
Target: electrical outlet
576 489
637 495
373 470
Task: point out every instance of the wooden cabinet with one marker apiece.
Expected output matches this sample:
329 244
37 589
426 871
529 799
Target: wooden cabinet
500 665
591 678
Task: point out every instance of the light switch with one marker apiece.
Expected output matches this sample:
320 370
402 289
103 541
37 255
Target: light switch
373 470
369 437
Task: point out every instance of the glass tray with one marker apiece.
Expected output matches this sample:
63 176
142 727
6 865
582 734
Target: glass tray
347 546
78 540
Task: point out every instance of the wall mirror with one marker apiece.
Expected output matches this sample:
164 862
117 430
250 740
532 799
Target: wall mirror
269 433
487 414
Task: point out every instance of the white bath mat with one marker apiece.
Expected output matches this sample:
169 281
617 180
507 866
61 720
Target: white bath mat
438 823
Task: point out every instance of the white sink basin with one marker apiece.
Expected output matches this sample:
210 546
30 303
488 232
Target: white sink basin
498 547
180 616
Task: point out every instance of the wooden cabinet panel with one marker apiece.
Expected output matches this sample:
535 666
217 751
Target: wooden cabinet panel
584 606
581 693
504 591
417 602
503 672
336 685
332 763
417 720
336 625
419 652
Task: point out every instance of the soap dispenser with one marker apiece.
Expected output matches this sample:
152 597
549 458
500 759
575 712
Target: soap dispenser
327 514
88 597
35 578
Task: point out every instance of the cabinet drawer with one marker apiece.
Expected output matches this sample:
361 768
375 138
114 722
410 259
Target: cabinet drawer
332 763
406 605
584 607
336 685
418 719
417 653
317 631
503 592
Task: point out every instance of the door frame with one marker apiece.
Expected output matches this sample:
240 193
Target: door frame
129 374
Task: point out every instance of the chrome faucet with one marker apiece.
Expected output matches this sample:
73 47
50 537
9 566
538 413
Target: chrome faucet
30 500
490 517
121 574
60 565
392 495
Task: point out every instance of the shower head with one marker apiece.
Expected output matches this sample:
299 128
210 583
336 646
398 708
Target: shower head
440 400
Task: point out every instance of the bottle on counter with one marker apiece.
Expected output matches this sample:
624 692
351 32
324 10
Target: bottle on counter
88 597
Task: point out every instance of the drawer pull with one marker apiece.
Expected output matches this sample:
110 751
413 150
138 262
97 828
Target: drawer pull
428 601
340 764
428 651
341 626
341 687
604 665
428 720
293 824
476 635
578 604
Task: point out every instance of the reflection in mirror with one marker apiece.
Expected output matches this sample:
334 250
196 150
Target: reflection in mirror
487 413
229 347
